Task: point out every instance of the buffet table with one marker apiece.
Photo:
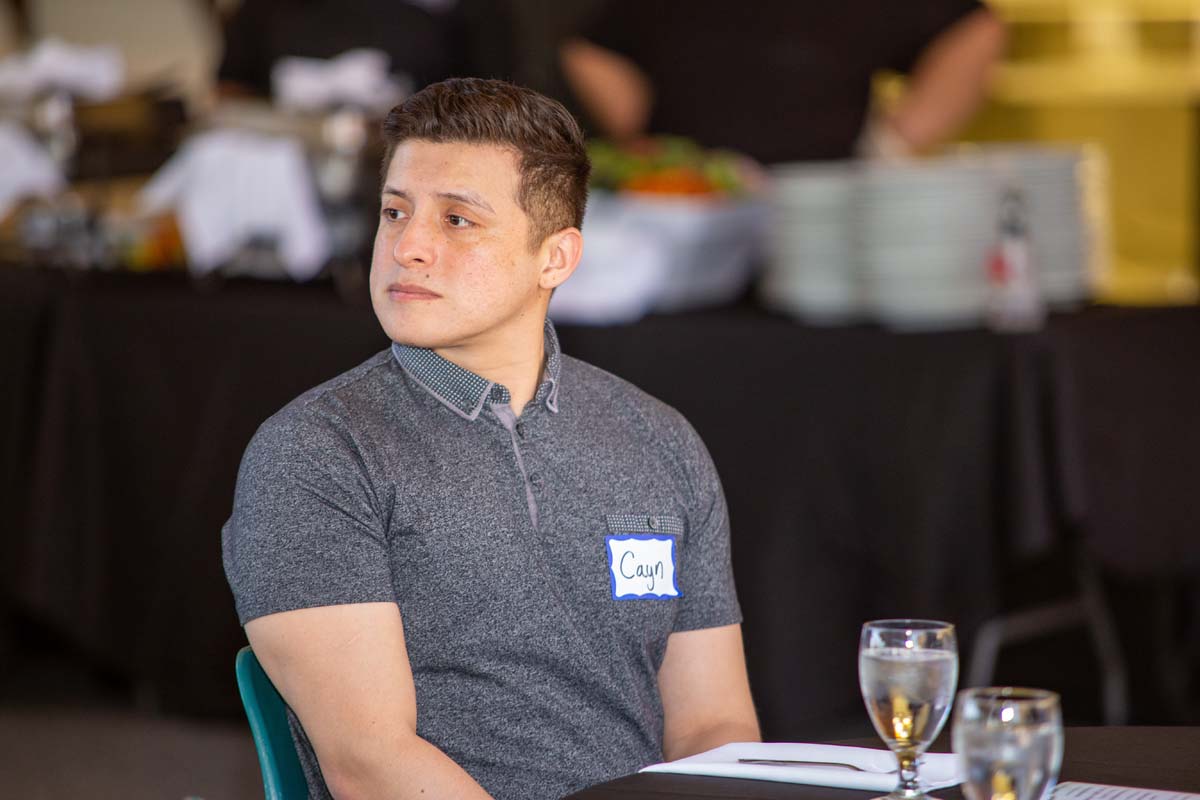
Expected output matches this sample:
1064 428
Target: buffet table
1150 758
868 474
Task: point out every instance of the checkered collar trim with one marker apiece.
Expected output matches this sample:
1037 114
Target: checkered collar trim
463 391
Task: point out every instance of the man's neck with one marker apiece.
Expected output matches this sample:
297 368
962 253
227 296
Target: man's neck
514 361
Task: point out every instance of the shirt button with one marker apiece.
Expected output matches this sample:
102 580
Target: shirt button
652 523
521 432
535 480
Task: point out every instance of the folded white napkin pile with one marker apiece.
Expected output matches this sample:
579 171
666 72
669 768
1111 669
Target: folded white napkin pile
28 171
228 186
357 77
94 73
937 770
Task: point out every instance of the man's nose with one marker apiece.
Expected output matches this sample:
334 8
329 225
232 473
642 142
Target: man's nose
417 243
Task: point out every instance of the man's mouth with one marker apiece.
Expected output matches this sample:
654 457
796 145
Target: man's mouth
410 291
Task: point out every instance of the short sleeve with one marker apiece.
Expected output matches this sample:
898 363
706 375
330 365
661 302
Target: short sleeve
907 29
305 529
709 598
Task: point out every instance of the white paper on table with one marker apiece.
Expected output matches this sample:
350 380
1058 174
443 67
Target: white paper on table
228 186
357 77
28 171
95 73
937 770
1095 791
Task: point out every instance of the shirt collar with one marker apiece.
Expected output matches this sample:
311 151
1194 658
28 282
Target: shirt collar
464 392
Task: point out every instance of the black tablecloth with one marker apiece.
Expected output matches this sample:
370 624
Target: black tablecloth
152 391
868 474
1150 758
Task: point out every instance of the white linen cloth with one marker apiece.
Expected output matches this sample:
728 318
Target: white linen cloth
937 770
622 273
228 186
357 77
94 73
28 170
649 253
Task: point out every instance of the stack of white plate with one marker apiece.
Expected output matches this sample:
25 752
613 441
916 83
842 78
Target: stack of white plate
908 244
925 233
811 267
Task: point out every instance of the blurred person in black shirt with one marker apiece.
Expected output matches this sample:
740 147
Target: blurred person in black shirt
782 80
427 40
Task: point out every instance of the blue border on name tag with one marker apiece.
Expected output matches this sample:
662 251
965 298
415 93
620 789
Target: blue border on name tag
612 576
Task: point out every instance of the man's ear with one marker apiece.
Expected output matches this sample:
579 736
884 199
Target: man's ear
562 250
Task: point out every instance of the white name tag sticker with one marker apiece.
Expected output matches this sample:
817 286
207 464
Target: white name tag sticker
642 567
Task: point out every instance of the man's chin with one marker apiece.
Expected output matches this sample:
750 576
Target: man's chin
414 335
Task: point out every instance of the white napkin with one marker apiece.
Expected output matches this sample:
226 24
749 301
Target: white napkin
937 770
227 186
95 73
28 168
357 77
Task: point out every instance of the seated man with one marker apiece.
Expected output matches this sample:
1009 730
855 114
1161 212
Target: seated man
473 565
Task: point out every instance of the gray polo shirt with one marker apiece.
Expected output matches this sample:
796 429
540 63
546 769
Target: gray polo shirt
539 563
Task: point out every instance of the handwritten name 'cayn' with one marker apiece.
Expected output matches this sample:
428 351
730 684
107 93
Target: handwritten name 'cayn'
632 568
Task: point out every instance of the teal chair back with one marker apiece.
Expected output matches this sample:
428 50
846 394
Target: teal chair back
283 778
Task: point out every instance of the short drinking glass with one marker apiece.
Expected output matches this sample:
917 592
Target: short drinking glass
1009 743
908 670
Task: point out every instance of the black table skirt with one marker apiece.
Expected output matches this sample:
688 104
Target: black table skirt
868 474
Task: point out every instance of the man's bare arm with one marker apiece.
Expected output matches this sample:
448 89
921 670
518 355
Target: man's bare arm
344 671
705 692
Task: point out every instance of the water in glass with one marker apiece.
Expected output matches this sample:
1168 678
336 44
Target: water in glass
907 670
1009 742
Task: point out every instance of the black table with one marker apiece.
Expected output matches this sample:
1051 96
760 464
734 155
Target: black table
868 474
1151 758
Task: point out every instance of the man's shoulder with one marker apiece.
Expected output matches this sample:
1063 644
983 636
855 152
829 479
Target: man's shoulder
603 392
352 399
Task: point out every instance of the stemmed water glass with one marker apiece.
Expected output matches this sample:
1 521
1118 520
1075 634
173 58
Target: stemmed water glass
1009 742
907 670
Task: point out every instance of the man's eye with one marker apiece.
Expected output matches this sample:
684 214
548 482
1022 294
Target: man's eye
458 221
392 214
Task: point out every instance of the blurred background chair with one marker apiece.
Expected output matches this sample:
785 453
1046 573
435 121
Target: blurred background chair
1087 608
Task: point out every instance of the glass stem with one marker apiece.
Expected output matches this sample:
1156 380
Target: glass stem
909 786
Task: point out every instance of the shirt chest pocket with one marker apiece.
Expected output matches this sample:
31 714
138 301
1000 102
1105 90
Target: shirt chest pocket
642 552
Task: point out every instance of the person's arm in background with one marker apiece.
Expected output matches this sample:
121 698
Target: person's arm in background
612 89
948 81
705 692
344 671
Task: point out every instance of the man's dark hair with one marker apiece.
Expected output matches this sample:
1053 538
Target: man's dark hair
548 142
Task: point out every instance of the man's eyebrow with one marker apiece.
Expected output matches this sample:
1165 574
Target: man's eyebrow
470 198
